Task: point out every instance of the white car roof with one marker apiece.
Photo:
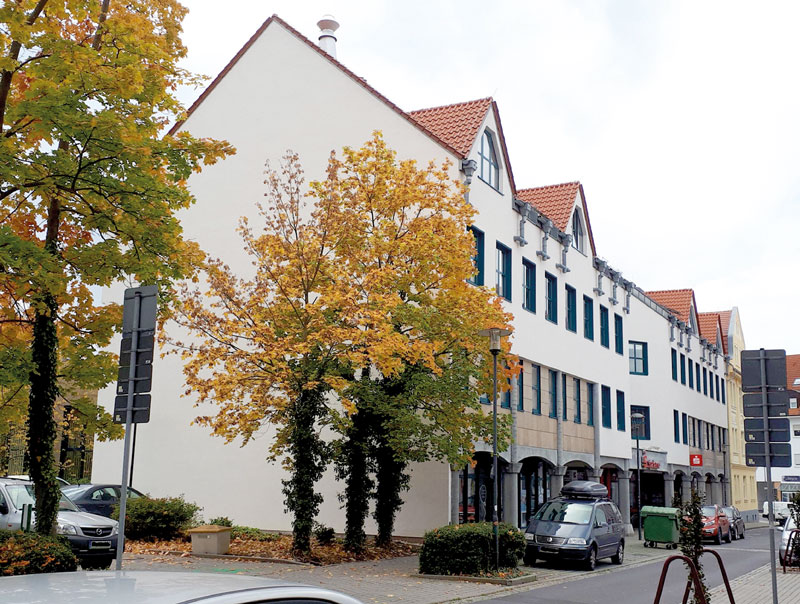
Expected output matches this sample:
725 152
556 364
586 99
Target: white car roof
154 587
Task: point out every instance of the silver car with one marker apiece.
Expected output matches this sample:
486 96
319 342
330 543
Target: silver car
155 587
93 538
787 529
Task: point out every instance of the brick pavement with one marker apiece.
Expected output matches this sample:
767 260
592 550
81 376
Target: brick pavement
756 588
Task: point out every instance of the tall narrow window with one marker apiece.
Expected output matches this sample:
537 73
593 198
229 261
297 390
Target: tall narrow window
490 170
674 364
503 271
553 393
484 398
576 399
551 314
521 388
691 375
604 331
572 309
477 259
685 428
505 397
578 231
723 391
638 357
705 381
590 404
528 285
640 430
620 410
564 396
605 402
716 386
697 375
588 318
676 425
536 388
619 340
711 384
683 369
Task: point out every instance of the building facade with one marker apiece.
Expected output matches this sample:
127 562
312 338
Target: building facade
594 347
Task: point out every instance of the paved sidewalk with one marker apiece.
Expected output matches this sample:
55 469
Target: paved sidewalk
756 588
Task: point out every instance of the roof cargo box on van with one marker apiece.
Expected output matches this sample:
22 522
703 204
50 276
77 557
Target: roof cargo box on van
584 489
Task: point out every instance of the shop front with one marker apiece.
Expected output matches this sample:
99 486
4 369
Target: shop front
534 487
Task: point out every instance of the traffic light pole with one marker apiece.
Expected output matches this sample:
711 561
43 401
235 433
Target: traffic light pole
123 499
768 467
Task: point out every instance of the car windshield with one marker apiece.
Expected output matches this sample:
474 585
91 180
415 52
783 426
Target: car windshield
22 494
565 511
728 512
74 490
708 511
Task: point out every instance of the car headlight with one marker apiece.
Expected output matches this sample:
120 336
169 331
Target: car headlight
529 536
114 528
65 528
576 541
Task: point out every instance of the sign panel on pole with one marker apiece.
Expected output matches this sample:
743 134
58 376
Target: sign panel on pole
777 404
775 369
781 455
779 430
141 409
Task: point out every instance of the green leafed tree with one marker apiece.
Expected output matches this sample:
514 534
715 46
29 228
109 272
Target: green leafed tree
88 190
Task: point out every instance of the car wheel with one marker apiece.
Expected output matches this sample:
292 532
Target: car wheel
718 537
529 559
591 561
728 537
97 563
619 557
742 535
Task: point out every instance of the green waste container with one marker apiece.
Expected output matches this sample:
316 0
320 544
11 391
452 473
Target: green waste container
661 525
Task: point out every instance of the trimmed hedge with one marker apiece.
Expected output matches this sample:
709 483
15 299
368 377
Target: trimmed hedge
468 549
150 519
29 553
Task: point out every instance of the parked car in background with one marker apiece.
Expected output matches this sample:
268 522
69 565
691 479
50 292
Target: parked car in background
97 498
582 524
93 538
736 520
787 530
716 525
155 587
780 510
61 481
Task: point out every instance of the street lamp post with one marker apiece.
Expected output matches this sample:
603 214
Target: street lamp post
494 334
637 418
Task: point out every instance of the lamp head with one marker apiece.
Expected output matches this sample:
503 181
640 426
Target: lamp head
494 334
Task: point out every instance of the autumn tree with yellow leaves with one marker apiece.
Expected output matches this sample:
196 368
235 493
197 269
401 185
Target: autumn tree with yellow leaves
358 309
88 192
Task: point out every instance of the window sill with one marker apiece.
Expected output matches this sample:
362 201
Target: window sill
638 373
575 331
490 185
553 321
533 312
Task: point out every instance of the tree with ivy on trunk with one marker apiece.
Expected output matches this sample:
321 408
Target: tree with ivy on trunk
410 246
88 188
691 540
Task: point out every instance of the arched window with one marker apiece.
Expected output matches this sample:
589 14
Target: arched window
490 170
578 231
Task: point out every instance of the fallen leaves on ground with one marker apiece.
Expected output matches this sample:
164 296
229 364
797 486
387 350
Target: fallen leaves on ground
280 548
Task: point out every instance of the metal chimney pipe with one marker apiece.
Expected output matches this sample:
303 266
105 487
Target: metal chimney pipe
327 40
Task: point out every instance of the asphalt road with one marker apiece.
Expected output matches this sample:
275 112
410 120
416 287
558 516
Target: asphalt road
638 584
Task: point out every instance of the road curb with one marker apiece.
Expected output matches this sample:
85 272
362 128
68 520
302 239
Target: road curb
224 557
512 581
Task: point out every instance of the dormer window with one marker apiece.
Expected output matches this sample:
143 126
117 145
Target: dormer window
578 231
490 169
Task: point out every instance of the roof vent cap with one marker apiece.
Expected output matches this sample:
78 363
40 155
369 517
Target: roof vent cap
327 40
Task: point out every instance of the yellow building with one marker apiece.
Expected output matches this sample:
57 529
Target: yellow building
742 491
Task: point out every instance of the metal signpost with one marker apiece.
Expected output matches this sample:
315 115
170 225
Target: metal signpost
764 373
132 405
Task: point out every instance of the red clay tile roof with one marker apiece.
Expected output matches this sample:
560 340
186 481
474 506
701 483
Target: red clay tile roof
725 323
792 370
456 124
709 325
301 37
678 301
554 201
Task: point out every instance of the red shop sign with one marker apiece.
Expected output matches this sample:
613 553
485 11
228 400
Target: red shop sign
695 460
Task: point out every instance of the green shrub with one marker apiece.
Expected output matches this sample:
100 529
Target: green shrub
29 553
252 534
150 519
221 521
324 534
468 549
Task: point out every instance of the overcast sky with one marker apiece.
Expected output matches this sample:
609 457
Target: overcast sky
681 119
